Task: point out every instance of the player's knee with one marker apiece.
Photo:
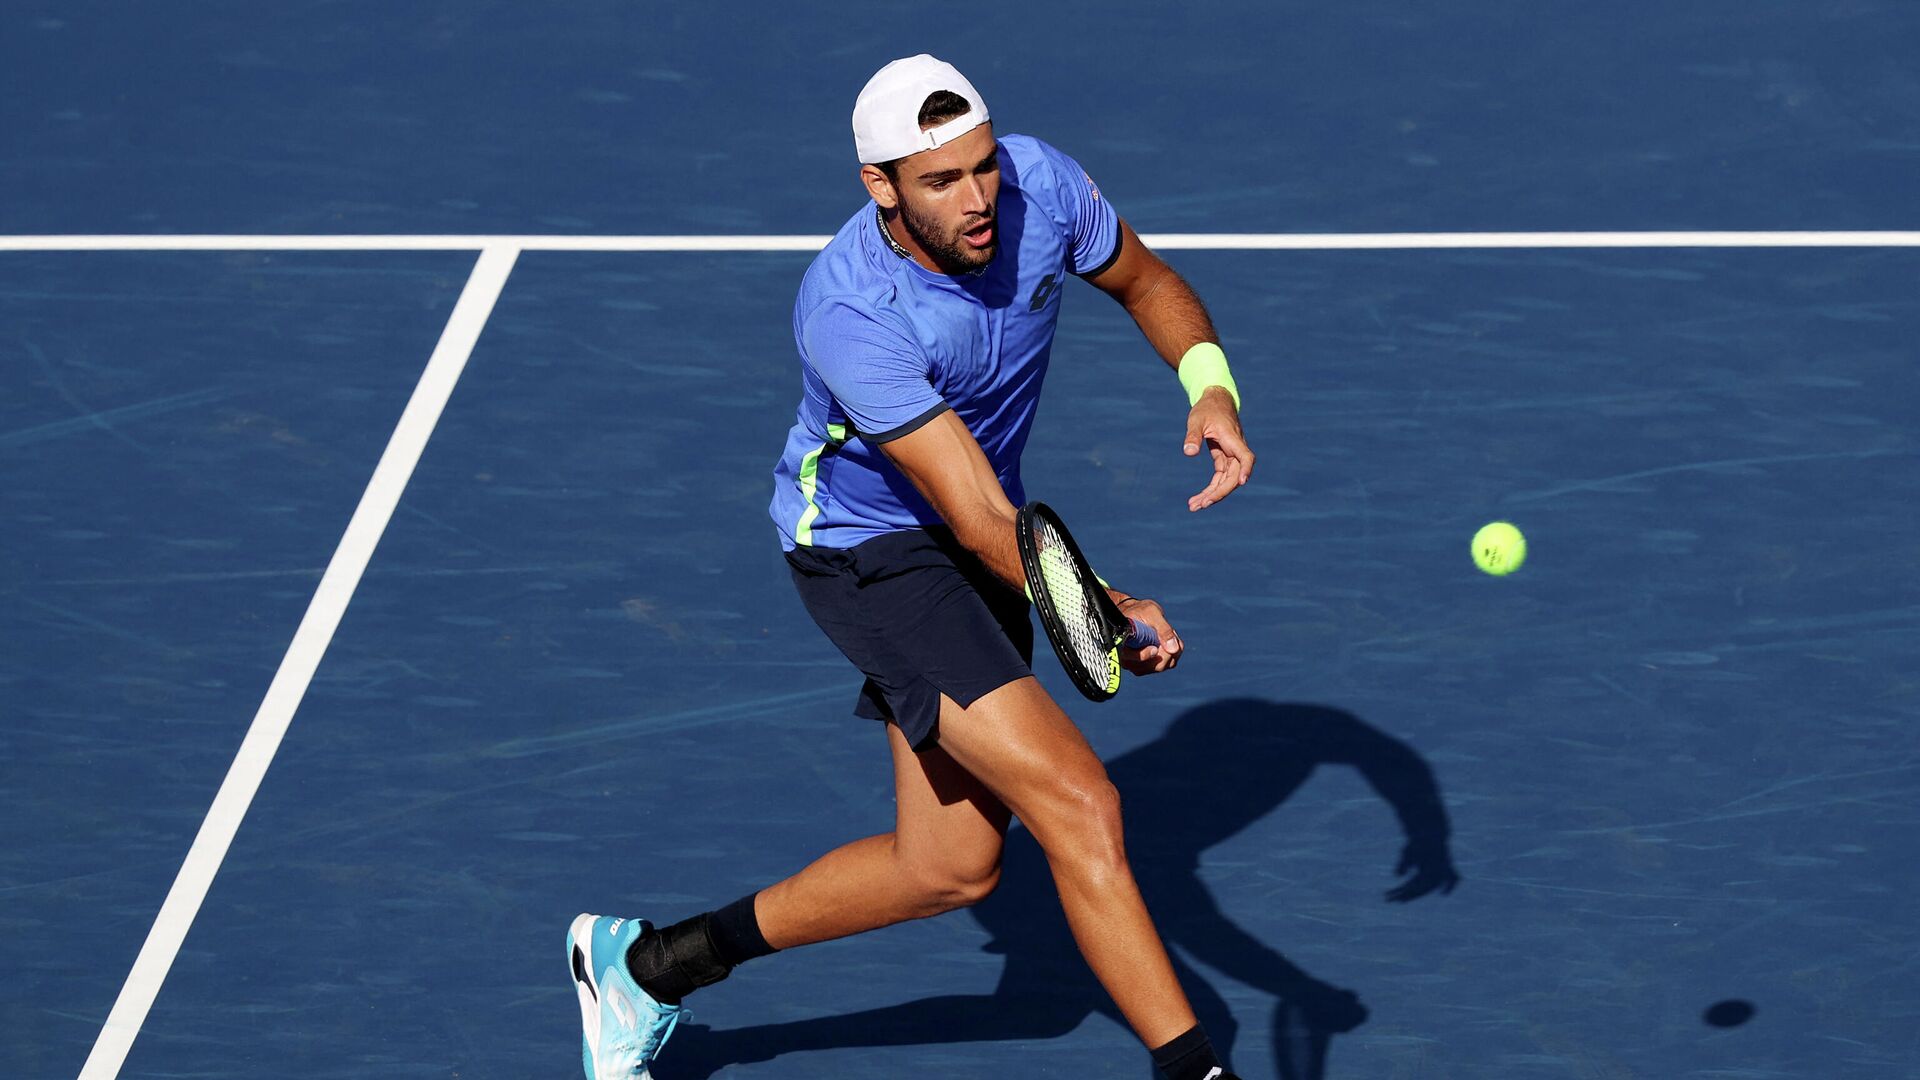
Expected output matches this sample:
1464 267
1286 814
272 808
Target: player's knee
968 889
1094 830
947 888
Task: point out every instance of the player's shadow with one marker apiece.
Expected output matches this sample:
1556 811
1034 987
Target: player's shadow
1218 769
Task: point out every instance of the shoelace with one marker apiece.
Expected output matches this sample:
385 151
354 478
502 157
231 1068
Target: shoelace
652 1038
633 1055
659 1031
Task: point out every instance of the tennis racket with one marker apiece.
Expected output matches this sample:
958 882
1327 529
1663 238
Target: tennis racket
1085 626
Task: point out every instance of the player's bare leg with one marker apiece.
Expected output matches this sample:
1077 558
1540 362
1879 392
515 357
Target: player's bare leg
1024 749
944 853
1012 751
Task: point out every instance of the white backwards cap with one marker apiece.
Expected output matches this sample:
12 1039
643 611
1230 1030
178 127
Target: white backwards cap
886 116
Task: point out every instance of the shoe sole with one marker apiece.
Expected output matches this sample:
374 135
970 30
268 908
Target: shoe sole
586 988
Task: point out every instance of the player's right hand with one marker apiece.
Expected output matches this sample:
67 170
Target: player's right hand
1153 658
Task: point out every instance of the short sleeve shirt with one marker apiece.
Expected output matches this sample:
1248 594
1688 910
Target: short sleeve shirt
886 345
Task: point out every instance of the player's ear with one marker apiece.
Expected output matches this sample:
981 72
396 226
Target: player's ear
879 186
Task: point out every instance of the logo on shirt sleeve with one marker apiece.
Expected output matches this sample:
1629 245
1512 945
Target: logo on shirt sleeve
1091 186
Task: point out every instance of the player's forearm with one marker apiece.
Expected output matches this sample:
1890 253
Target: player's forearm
988 531
950 470
1171 315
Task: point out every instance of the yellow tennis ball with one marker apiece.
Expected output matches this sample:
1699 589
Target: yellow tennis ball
1499 549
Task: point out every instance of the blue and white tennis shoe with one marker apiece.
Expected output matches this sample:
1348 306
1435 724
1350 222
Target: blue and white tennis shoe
623 1027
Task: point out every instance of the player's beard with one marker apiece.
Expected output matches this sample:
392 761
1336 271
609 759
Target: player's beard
951 253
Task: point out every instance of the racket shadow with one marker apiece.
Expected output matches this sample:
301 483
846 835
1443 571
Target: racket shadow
1218 769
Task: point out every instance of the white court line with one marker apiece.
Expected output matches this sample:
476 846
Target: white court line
303 657
1163 241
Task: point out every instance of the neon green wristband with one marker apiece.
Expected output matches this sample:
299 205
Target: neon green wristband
1205 365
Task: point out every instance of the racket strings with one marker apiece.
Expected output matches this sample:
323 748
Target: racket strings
1074 601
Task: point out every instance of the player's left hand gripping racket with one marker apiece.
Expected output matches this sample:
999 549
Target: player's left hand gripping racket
1085 626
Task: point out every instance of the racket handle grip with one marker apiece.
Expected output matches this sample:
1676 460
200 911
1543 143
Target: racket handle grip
1142 637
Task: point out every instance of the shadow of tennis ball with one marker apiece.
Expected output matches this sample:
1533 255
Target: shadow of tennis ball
1730 1013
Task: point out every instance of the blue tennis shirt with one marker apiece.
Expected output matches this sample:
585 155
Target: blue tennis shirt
887 345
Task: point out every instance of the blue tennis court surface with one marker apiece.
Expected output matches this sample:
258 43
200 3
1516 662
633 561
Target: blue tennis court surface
1671 760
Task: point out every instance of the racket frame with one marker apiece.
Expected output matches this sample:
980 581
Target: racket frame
1096 686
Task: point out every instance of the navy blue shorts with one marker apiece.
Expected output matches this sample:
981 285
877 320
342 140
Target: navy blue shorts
921 617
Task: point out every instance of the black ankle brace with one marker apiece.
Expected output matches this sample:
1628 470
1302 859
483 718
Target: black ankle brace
669 964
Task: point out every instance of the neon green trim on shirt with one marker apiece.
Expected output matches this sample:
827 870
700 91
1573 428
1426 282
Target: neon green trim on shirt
810 483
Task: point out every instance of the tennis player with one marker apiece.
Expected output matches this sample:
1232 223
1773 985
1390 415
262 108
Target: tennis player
924 330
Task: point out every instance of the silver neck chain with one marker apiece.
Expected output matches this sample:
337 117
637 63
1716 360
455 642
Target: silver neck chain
880 218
